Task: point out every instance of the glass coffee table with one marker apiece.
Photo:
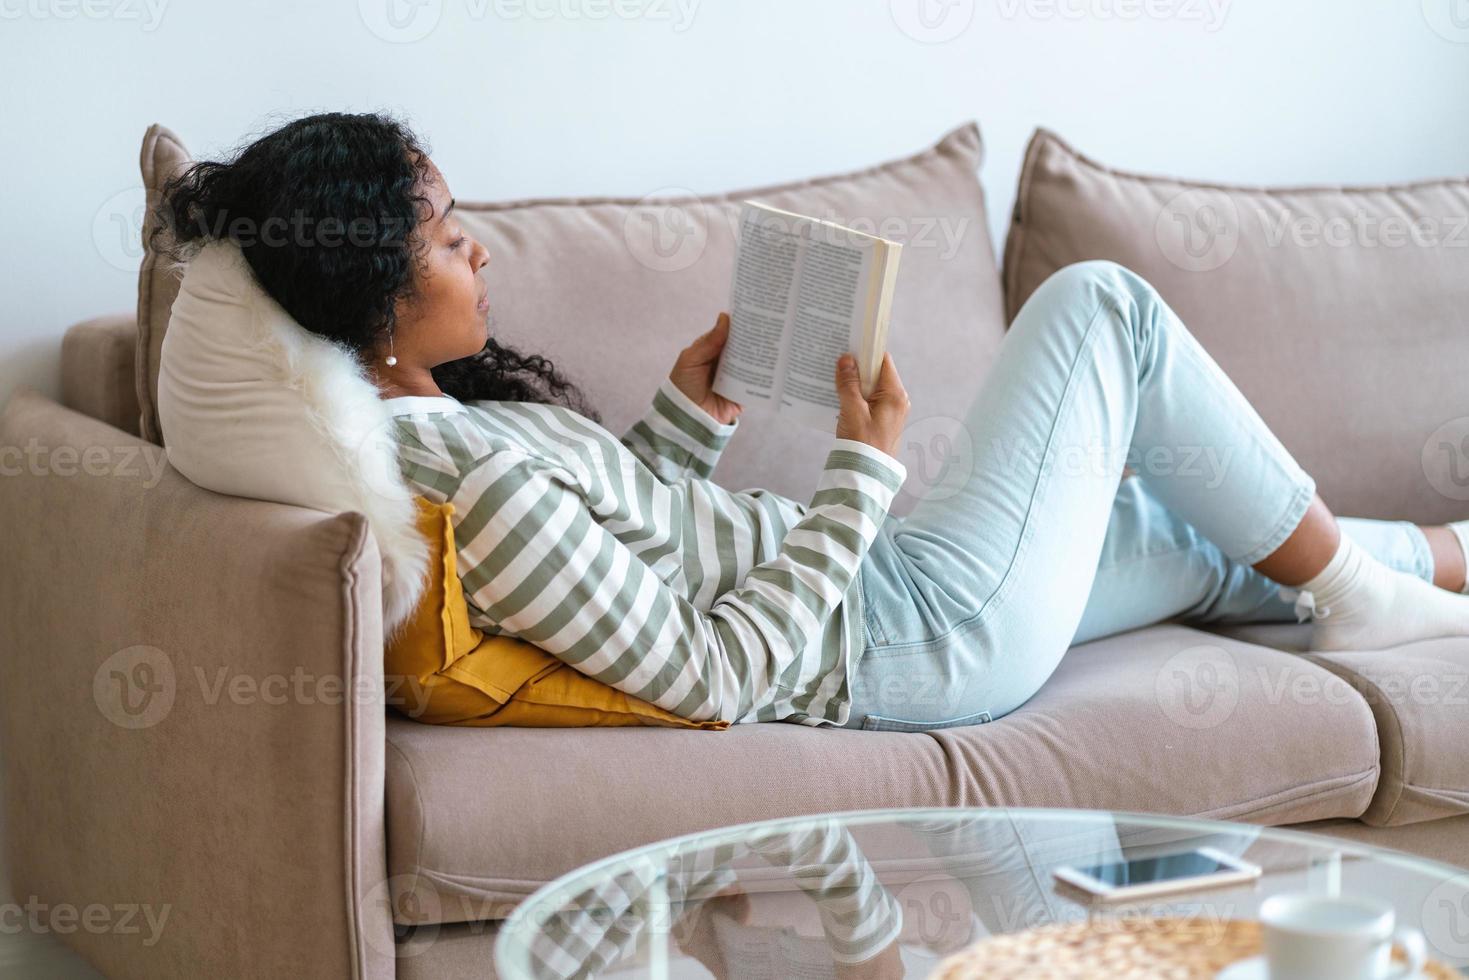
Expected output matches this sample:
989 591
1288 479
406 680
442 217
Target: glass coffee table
895 893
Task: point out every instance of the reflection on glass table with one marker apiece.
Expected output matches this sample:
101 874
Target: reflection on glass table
891 893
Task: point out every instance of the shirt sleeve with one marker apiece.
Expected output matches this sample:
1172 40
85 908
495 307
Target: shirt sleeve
677 438
533 558
605 925
860 917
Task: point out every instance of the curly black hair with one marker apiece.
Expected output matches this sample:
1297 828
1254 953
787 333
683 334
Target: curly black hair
357 180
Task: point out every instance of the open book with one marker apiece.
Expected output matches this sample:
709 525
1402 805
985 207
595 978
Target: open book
805 290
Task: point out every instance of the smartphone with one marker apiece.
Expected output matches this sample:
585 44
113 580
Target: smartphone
1141 877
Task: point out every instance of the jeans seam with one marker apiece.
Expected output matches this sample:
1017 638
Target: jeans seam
971 623
869 611
1294 507
1290 519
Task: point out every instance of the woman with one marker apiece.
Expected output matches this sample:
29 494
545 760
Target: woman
622 557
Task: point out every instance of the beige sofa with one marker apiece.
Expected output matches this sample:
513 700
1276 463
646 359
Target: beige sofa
191 684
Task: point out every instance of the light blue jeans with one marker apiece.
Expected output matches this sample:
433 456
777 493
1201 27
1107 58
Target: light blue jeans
1033 541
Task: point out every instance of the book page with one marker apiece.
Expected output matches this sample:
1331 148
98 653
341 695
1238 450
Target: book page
831 298
766 265
798 301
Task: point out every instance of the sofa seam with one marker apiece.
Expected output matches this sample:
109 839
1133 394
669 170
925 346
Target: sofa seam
350 568
1043 135
150 426
1318 789
1273 191
937 149
1346 781
1010 272
1453 791
147 407
418 800
1397 723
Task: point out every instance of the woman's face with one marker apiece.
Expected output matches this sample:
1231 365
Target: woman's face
446 315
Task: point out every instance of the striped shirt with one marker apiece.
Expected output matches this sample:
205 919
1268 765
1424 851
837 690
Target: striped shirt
623 559
605 927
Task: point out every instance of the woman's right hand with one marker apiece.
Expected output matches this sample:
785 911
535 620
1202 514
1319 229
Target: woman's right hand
878 420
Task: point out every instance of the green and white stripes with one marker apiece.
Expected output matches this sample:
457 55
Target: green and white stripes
622 558
606 926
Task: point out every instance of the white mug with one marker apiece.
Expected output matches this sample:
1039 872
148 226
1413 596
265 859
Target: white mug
1318 937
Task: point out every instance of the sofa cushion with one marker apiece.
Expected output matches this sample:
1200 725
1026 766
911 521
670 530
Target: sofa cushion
162 156
1419 694
612 288
1339 311
1168 719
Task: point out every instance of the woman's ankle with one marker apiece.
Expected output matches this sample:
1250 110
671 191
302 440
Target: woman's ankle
1307 550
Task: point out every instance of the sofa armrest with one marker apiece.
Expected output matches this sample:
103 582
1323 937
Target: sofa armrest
191 711
97 370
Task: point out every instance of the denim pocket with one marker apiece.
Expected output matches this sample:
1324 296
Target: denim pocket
872 632
883 723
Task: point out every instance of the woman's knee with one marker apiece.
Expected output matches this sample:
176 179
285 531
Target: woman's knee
1075 293
1068 299
1094 278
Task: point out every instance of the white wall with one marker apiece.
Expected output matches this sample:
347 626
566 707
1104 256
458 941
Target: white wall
551 97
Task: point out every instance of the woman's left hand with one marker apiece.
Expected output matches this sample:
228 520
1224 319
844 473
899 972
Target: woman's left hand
693 372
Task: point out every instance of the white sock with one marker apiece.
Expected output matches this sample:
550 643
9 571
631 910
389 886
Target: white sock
1358 603
1461 533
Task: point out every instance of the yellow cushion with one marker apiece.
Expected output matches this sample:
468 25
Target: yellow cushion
452 674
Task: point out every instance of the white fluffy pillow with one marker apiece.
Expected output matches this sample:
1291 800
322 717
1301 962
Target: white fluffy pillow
254 405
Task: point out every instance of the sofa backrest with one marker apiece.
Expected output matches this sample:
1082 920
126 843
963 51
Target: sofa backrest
1342 313
611 289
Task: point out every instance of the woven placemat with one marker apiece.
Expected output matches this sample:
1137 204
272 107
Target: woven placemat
1129 947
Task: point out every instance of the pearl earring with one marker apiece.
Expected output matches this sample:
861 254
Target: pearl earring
391 359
